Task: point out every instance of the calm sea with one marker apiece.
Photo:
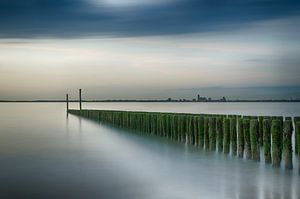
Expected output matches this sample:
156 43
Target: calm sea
45 154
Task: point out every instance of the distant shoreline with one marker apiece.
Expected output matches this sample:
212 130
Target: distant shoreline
150 101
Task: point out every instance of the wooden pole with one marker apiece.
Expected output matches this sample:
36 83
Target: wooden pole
80 105
206 133
67 100
254 139
276 142
232 130
212 133
267 140
296 119
297 131
240 138
219 129
201 131
226 134
287 144
247 143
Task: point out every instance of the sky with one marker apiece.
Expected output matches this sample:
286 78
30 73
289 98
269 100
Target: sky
149 49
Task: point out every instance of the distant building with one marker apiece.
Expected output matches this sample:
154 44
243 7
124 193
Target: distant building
201 99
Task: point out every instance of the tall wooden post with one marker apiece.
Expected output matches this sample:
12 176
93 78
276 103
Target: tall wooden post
80 106
67 100
287 144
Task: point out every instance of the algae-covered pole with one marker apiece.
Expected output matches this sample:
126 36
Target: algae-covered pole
80 105
206 133
276 141
201 131
226 138
254 137
267 140
195 130
233 136
219 130
297 131
212 133
281 135
240 138
175 129
260 130
188 129
296 119
287 144
246 126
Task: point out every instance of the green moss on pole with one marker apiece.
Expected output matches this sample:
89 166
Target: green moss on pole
212 133
280 118
267 140
240 138
201 131
260 130
175 127
219 131
187 129
296 119
172 127
182 129
167 126
226 133
254 138
192 135
287 144
196 133
276 142
206 133
297 129
247 144
233 136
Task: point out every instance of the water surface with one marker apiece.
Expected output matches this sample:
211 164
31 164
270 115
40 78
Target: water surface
237 108
44 154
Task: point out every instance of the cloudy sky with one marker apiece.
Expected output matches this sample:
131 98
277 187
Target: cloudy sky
149 48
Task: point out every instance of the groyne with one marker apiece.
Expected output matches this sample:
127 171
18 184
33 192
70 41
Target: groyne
236 135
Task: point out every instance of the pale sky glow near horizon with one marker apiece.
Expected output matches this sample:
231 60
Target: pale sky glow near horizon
125 63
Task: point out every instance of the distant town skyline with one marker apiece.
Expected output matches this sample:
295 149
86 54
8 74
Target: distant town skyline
200 94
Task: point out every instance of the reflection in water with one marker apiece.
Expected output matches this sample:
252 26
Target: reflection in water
67 125
38 160
80 125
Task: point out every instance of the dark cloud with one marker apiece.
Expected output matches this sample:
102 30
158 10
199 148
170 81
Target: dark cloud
76 18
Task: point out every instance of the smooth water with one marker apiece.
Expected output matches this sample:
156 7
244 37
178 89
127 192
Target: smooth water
45 154
242 108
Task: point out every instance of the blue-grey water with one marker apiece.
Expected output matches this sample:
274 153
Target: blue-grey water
45 154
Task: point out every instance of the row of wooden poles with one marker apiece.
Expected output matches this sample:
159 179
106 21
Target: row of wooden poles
242 136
